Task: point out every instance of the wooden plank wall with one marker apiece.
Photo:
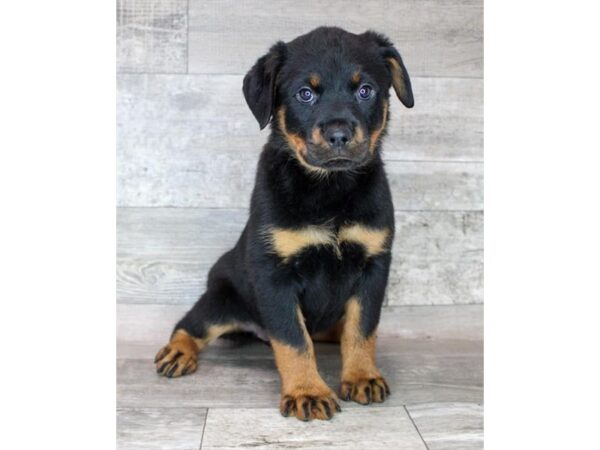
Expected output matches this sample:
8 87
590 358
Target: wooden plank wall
188 145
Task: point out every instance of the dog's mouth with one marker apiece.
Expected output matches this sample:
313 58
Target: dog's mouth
339 164
337 160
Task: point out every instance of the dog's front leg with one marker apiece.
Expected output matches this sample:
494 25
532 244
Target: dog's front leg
361 379
304 394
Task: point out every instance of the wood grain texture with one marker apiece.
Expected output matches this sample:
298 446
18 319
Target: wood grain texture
152 36
432 358
448 322
436 185
437 258
143 328
418 371
446 123
435 38
359 428
159 428
164 254
449 426
191 141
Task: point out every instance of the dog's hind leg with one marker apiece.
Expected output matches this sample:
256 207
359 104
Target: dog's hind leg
217 312
213 315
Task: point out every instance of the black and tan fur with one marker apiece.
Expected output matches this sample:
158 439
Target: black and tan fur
312 262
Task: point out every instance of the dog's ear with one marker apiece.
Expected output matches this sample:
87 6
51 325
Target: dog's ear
259 84
400 78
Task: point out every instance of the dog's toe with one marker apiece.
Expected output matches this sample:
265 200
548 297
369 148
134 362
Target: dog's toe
321 406
173 361
365 390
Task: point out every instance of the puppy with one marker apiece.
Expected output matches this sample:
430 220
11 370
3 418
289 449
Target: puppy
313 260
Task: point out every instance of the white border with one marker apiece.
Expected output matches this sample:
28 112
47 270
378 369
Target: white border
541 220
57 182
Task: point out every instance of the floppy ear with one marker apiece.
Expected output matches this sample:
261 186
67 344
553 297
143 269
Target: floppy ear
259 84
400 78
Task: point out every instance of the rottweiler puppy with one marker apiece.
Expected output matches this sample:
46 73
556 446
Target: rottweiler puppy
313 260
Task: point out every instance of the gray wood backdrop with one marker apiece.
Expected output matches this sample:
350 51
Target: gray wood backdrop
187 144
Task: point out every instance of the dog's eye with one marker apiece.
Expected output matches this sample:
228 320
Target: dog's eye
305 95
365 92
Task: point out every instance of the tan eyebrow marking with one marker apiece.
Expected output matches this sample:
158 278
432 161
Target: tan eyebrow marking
356 77
314 80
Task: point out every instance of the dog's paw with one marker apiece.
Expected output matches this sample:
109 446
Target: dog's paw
365 390
306 406
179 357
174 361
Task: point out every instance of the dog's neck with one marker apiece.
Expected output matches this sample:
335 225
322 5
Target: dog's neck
312 194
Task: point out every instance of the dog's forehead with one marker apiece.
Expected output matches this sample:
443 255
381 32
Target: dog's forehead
331 53
326 39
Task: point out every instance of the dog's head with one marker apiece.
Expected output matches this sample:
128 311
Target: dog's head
328 94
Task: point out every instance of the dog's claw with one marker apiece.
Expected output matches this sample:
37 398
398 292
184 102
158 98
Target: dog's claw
365 390
309 407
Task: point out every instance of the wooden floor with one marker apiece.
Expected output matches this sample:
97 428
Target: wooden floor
432 357
187 150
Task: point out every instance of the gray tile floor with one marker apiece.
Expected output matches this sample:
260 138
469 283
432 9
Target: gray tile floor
231 402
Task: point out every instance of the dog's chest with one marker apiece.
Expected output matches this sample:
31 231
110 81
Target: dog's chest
327 261
291 244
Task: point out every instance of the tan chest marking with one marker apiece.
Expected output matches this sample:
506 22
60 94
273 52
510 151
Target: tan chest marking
374 240
289 242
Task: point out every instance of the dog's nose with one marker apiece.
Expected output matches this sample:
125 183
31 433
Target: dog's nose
338 135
